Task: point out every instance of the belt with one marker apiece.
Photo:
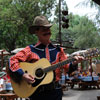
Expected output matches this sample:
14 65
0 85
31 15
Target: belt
49 87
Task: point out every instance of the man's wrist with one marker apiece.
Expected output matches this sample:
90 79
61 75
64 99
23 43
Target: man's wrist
20 72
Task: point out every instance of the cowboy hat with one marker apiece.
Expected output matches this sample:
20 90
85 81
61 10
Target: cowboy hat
39 21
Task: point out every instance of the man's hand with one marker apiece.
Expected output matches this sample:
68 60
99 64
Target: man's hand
28 78
78 59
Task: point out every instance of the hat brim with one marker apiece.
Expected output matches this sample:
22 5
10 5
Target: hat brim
32 29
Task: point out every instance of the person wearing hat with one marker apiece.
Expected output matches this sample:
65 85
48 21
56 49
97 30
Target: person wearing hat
42 49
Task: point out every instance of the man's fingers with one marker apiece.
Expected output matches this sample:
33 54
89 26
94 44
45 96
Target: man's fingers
78 59
29 78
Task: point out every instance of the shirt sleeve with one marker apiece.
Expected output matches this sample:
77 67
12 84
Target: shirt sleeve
21 56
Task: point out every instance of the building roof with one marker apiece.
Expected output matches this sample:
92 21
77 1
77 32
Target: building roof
4 52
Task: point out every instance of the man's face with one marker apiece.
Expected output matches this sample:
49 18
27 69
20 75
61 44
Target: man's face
43 33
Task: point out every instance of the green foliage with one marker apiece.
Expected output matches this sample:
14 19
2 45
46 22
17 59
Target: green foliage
81 34
15 18
54 31
17 15
86 34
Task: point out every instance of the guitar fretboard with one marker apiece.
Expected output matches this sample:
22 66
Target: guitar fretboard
53 67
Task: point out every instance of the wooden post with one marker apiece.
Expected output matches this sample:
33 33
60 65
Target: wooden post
91 66
2 60
60 41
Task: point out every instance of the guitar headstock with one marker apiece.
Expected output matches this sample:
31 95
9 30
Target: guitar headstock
88 53
92 52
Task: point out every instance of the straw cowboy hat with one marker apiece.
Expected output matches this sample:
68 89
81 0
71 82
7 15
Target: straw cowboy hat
39 21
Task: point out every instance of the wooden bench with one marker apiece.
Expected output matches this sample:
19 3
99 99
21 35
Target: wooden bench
83 84
11 96
8 96
72 83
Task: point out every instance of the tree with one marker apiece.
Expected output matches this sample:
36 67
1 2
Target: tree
15 18
86 34
81 34
93 4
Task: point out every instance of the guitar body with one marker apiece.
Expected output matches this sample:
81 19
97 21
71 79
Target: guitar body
24 89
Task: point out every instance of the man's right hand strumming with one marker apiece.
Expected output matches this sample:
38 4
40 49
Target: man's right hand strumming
28 78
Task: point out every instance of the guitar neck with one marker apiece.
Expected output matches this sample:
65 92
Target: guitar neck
89 53
53 67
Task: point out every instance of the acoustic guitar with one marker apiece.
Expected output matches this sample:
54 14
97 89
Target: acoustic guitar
42 70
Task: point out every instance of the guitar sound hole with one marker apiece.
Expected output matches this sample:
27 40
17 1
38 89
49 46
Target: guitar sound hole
39 72
26 71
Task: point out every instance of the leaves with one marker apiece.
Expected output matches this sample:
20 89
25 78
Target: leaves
15 18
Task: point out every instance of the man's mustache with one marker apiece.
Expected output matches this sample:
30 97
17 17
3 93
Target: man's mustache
45 34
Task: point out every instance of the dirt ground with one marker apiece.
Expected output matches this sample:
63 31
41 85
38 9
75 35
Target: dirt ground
78 94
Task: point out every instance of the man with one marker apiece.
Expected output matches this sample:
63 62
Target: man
43 49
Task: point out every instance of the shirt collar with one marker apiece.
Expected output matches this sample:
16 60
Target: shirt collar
39 43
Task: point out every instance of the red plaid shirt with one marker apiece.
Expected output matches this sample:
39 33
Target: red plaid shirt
34 53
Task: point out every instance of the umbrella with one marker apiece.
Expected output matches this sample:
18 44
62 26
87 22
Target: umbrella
16 50
4 52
